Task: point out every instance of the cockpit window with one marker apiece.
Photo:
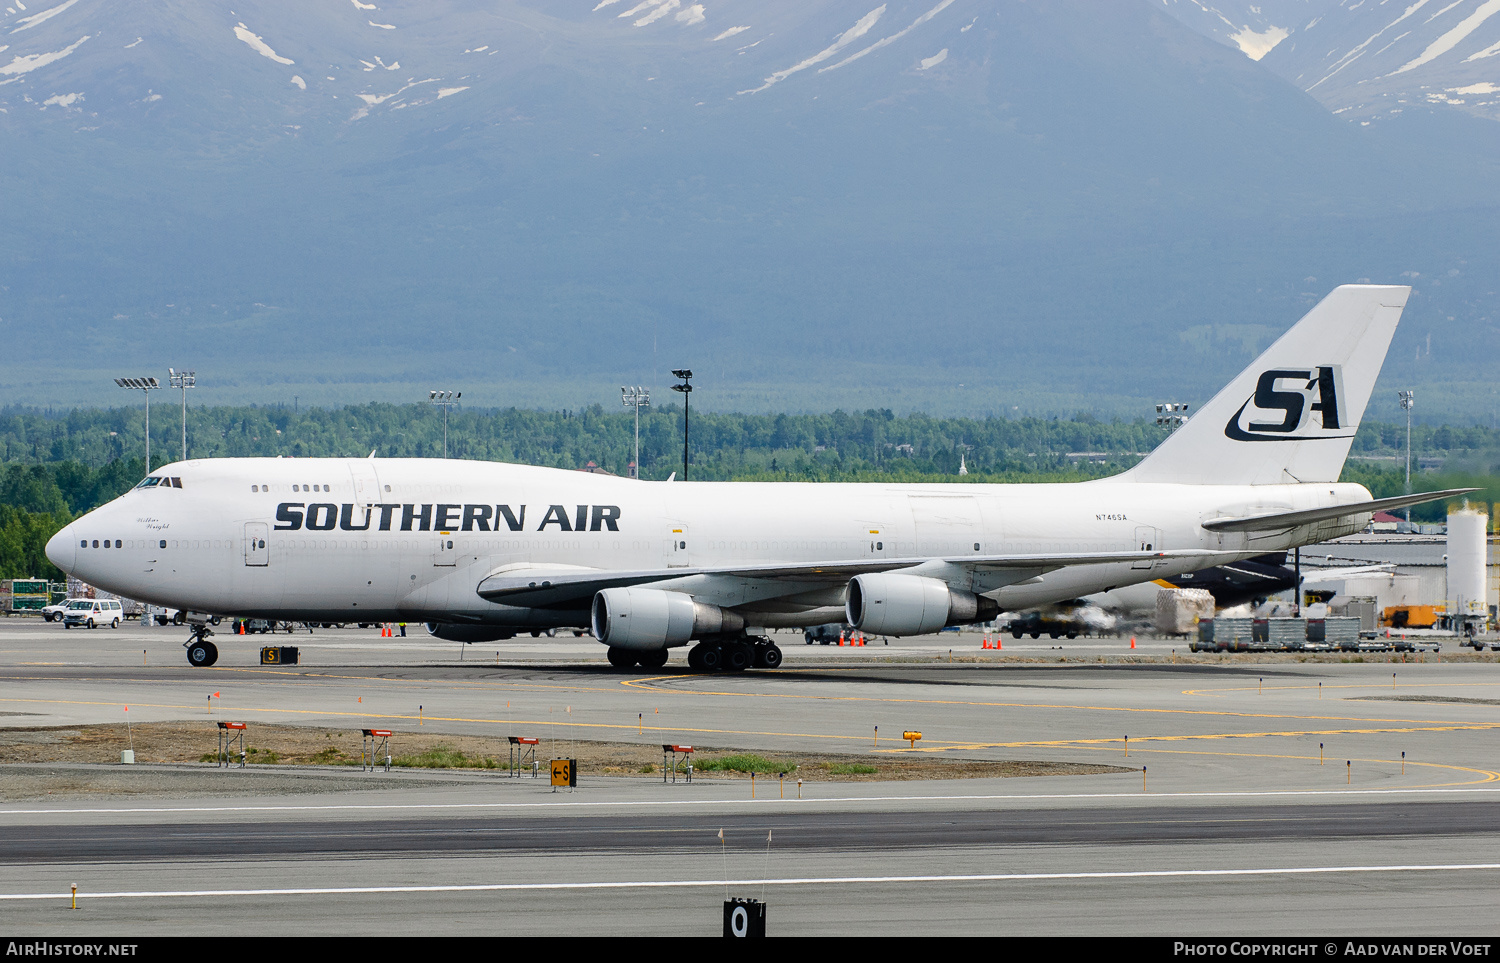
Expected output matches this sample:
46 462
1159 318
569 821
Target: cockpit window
155 482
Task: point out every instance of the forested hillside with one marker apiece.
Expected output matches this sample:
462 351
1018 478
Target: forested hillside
58 465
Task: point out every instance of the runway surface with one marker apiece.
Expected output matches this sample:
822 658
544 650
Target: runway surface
1241 824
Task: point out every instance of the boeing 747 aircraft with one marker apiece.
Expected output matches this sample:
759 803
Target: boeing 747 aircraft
481 551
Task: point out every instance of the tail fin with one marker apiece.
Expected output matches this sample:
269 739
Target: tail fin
1291 416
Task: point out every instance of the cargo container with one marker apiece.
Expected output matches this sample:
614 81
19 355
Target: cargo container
28 595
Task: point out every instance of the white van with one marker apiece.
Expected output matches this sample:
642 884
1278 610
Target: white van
94 612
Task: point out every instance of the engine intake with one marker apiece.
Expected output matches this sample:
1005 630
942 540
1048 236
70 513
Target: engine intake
885 604
648 619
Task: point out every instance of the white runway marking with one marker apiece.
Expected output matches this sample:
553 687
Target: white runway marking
562 804
793 881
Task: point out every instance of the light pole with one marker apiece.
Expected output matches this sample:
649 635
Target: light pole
445 399
1407 400
686 374
637 398
146 385
1170 416
183 380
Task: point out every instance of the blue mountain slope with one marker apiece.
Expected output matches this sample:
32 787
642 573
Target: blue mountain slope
1043 202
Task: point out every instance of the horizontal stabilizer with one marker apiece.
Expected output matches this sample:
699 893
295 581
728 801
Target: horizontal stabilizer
1280 520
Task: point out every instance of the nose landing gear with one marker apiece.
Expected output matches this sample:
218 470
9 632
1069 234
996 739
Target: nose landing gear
201 653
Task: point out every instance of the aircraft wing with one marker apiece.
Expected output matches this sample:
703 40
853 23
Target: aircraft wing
1280 520
563 588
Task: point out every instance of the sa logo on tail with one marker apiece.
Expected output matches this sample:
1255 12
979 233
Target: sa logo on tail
1293 404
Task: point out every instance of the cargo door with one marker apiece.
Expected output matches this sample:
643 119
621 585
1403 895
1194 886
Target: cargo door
257 552
946 525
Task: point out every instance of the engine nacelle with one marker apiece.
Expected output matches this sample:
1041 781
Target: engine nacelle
450 632
647 619
882 603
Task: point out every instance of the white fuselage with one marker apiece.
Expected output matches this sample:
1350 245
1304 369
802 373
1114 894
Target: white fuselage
331 539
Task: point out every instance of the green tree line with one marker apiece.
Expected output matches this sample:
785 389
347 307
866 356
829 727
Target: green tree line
58 465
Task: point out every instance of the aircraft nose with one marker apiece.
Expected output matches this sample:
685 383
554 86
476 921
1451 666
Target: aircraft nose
62 547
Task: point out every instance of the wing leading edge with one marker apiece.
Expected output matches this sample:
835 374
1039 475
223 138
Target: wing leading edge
549 588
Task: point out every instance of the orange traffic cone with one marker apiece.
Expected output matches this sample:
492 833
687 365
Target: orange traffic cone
841 638
242 626
1132 641
999 644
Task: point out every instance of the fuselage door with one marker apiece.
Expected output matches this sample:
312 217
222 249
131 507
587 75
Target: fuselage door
257 552
446 554
367 490
676 546
1146 540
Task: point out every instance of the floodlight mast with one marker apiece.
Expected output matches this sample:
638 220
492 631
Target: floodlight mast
146 385
183 380
1408 399
445 400
636 397
1170 416
686 374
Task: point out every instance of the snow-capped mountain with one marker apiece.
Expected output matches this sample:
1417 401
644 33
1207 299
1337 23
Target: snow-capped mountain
1252 26
1366 60
1029 200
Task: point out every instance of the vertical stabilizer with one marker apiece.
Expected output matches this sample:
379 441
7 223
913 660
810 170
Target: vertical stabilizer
1291 416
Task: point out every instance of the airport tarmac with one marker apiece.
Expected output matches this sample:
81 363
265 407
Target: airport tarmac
1240 823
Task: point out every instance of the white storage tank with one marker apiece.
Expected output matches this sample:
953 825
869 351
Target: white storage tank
1468 560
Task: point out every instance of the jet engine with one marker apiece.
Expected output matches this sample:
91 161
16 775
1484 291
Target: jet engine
882 603
647 619
468 633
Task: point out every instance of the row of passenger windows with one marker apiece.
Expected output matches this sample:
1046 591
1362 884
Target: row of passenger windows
118 543
299 488
295 488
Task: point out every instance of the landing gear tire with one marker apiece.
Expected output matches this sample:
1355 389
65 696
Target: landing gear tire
621 658
738 656
707 656
202 654
768 656
654 659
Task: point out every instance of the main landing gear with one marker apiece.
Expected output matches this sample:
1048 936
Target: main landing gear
735 655
625 658
201 652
